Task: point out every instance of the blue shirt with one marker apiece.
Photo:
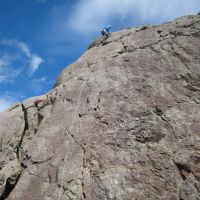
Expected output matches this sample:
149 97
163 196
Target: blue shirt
107 29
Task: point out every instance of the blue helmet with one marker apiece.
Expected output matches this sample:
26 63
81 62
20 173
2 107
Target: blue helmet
109 27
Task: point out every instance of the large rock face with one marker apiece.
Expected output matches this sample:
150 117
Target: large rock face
122 123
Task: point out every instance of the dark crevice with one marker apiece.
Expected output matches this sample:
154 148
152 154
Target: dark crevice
8 189
98 101
81 115
83 186
184 170
26 127
14 106
158 111
40 162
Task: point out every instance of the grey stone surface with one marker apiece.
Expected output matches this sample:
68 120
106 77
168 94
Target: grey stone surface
122 123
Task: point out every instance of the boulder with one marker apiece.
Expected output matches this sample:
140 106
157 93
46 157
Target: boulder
122 122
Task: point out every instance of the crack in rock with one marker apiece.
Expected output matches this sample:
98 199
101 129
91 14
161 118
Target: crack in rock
183 169
83 164
26 126
37 176
13 169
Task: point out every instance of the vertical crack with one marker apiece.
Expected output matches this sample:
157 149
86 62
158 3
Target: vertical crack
12 180
8 189
84 161
26 127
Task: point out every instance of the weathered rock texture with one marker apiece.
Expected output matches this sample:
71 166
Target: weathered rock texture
122 123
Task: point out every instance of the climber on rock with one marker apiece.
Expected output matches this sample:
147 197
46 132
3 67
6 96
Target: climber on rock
105 33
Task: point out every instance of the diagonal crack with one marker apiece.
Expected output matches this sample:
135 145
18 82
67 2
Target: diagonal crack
42 161
183 168
35 175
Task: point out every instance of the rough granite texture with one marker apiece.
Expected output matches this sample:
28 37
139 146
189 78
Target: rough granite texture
122 123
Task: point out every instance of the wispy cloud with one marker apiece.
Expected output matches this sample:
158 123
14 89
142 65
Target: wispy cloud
7 74
6 101
73 25
34 60
88 15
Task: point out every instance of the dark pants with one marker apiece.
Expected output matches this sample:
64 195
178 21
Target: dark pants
105 36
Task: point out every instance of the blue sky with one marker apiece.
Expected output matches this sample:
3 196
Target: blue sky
39 38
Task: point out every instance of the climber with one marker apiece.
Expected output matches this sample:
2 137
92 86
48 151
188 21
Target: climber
105 33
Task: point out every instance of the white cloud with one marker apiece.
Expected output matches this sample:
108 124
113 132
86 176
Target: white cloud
24 48
70 27
7 74
34 60
88 15
5 102
35 63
